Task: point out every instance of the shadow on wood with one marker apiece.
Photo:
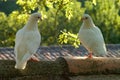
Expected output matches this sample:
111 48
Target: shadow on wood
57 67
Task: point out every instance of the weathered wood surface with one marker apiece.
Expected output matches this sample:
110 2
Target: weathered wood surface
7 69
61 67
96 65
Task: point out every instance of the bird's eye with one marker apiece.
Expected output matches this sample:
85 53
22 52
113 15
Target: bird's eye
38 17
86 17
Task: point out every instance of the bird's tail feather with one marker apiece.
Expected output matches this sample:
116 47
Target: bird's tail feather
22 64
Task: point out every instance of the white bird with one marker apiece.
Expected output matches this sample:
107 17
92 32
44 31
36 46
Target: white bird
91 37
27 41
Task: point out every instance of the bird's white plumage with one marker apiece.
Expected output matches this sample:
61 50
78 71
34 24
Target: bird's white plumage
27 41
91 37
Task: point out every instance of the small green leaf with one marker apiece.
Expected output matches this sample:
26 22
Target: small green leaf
94 2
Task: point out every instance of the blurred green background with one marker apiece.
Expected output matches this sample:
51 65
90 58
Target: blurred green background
61 19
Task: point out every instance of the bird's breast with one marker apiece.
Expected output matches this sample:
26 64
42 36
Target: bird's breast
90 37
33 36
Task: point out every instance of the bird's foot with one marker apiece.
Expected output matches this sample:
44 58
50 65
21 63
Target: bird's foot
35 59
90 55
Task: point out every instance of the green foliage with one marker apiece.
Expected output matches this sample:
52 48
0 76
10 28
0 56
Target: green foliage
7 6
68 38
62 15
3 21
9 26
94 2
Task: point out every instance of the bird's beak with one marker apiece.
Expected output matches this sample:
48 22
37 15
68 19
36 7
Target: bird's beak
82 19
40 18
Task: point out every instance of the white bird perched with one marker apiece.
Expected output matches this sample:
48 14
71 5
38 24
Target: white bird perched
91 37
27 41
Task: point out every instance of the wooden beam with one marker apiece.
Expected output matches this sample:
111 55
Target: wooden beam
33 68
62 66
96 65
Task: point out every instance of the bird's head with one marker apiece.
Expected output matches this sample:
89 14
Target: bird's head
87 21
86 17
36 16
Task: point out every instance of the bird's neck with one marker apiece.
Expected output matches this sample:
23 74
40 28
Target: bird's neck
31 25
88 24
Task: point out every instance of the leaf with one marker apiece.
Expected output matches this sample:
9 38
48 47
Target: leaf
68 38
94 2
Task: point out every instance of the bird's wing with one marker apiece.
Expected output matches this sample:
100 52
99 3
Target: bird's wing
19 36
20 43
33 42
100 47
20 49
